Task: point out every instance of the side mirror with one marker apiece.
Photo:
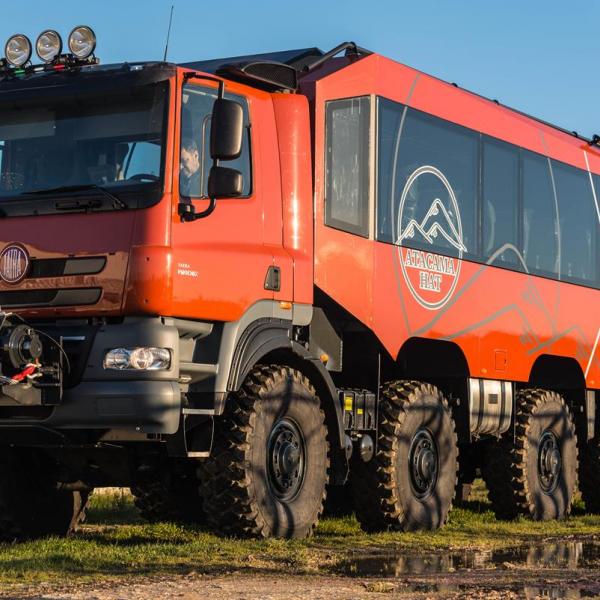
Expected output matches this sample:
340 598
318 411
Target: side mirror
227 130
225 183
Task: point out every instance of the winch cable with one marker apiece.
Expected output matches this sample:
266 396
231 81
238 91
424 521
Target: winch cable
30 372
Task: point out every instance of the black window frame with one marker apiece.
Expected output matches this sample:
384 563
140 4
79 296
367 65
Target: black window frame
362 230
595 267
243 100
479 257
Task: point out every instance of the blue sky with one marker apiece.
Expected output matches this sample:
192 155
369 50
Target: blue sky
539 56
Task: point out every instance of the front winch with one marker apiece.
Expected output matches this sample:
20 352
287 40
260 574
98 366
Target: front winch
30 369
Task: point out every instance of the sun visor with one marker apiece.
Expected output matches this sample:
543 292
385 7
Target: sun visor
39 88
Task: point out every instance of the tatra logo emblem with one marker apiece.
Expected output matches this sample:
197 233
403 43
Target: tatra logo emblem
430 237
14 263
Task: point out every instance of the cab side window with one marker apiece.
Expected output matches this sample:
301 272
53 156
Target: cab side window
347 165
195 160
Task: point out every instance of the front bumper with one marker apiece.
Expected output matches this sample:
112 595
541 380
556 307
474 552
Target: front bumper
144 402
142 406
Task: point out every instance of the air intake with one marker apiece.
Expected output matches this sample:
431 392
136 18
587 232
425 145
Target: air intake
268 75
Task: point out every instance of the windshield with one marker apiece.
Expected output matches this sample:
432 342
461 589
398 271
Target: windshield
112 140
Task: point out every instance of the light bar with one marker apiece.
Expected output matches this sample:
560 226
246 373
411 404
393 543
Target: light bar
82 42
17 50
48 45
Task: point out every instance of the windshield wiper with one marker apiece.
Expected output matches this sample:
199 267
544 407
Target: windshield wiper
67 205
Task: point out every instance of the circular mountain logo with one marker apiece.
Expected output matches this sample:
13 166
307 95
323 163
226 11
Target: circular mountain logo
14 263
430 237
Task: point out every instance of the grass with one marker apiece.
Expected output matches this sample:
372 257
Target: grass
116 543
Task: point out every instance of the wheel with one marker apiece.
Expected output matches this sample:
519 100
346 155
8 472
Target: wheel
409 484
589 475
31 503
269 466
168 490
143 176
534 471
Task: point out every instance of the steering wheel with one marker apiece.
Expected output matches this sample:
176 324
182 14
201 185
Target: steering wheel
142 176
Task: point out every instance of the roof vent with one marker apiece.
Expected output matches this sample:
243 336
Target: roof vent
269 75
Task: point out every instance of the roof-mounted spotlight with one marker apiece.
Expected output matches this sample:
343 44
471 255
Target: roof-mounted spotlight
48 45
82 42
17 50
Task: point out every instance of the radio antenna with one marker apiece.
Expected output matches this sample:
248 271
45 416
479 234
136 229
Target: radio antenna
168 33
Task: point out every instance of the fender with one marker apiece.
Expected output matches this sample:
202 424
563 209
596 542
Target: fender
270 340
259 339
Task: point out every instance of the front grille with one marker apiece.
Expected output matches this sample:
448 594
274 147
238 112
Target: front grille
61 267
50 298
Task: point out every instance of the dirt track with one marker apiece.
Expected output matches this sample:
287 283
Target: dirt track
489 584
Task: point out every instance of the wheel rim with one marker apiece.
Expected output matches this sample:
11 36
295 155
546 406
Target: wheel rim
286 459
423 464
549 462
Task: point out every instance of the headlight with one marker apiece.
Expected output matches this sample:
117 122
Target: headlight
82 42
48 45
18 50
138 359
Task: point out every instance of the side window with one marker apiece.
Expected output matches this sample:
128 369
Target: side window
427 182
347 165
195 160
500 201
578 224
540 229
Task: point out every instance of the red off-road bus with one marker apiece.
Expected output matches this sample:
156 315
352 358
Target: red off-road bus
250 286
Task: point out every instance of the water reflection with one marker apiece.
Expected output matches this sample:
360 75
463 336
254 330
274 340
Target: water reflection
563 555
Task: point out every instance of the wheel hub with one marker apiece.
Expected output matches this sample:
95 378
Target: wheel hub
423 464
286 459
549 462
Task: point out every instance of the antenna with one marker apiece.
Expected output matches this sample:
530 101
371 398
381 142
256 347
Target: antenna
168 33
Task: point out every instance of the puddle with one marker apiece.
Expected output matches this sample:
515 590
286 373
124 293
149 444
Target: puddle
562 555
553 555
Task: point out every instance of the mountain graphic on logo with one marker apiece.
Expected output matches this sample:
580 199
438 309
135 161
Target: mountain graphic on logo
437 222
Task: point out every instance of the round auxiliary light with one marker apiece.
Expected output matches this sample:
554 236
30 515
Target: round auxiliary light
82 41
48 45
18 50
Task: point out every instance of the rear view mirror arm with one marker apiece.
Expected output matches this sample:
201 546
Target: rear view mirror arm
188 213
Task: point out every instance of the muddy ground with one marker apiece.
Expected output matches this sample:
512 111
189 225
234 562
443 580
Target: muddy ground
463 585
554 569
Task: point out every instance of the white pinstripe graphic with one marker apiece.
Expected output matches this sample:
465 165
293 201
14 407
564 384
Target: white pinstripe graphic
587 370
587 164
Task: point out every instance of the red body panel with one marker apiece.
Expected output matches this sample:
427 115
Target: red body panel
293 135
502 320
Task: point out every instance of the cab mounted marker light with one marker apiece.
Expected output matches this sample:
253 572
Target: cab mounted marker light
17 50
82 42
48 45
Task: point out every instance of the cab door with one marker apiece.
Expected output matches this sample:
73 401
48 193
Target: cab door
221 262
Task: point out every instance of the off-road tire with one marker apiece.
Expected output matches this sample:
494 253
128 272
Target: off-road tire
510 468
238 484
589 474
169 491
31 503
384 495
